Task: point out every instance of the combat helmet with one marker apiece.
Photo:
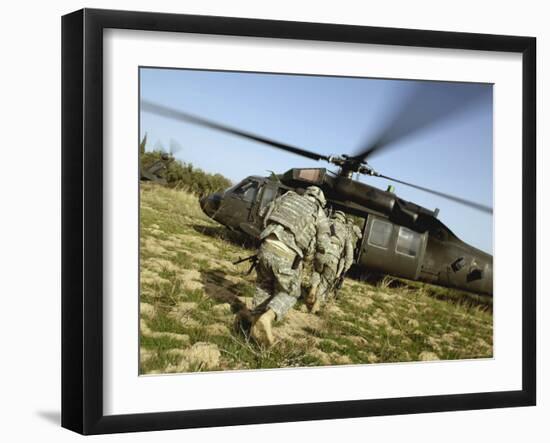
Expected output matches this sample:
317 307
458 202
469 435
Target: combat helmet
316 193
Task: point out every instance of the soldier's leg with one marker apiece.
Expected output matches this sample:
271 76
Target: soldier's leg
319 296
284 272
287 287
272 275
328 280
245 319
265 280
311 295
264 288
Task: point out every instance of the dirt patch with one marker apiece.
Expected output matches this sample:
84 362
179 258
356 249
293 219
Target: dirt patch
323 357
146 331
151 245
332 309
196 242
372 357
146 310
362 301
482 344
200 356
146 354
358 341
340 359
172 243
384 296
185 307
298 324
191 279
234 279
204 354
222 310
450 337
215 263
434 343
183 312
379 321
217 329
148 277
428 356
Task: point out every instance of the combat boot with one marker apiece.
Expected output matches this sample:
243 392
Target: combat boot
311 299
261 329
243 322
316 307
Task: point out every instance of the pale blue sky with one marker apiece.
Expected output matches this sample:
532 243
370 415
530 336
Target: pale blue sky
452 151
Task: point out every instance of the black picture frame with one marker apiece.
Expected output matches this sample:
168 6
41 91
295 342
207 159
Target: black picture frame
82 219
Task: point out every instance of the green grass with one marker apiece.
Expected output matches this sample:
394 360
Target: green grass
157 362
189 288
159 343
163 323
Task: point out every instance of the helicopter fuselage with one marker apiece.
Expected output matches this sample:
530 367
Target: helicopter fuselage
400 238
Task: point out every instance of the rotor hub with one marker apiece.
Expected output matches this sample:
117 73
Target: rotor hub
349 165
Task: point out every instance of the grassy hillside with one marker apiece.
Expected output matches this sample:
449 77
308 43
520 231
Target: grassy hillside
189 287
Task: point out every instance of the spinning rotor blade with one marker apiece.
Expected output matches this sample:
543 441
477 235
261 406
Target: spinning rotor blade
174 114
462 201
426 106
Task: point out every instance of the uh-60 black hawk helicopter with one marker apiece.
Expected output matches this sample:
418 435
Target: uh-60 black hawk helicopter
400 238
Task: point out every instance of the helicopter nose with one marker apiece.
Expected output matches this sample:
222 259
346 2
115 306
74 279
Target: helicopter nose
210 204
204 204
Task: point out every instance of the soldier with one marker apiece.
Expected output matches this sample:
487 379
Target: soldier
332 264
354 231
296 227
354 235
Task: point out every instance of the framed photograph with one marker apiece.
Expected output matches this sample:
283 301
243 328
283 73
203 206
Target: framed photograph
269 221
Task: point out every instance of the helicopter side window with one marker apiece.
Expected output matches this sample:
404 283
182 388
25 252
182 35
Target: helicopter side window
380 234
247 191
408 242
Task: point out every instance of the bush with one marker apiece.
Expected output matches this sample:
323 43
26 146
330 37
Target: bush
179 174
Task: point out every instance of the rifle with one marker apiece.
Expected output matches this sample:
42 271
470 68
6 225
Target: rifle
253 259
338 285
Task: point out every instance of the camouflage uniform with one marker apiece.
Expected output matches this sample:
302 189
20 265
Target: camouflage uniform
337 258
354 235
296 226
354 231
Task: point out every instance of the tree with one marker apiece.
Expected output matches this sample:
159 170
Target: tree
179 174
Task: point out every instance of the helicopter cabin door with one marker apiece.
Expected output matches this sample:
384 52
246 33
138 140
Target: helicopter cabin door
392 249
237 204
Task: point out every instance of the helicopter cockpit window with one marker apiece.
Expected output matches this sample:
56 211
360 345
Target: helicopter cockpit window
408 242
268 196
246 191
380 234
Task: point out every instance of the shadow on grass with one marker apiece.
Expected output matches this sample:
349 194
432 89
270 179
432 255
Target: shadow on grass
221 290
223 233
